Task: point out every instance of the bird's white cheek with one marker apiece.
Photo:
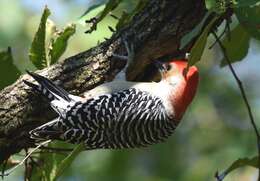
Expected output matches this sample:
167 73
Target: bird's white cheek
173 80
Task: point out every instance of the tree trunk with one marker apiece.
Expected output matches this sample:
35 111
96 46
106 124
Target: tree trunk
154 32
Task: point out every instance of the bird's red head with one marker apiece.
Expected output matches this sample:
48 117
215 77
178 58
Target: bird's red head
184 82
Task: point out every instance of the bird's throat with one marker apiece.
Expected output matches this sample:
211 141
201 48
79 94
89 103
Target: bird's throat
183 96
178 102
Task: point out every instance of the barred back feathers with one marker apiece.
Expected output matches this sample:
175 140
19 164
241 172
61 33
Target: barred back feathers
125 119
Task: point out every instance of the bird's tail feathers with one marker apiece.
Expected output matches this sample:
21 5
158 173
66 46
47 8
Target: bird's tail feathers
48 89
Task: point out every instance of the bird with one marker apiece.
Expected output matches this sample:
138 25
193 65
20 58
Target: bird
119 114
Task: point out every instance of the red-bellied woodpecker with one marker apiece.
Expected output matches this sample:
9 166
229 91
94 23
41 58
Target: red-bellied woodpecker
119 114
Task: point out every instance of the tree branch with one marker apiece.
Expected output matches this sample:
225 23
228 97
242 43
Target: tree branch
243 93
154 32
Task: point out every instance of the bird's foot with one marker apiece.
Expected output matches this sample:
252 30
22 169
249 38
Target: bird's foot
129 58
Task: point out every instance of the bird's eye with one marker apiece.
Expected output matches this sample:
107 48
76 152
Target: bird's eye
168 67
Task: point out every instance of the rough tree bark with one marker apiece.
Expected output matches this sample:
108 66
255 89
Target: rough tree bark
154 32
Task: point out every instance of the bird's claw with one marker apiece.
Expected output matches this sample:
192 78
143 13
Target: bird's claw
130 52
129 58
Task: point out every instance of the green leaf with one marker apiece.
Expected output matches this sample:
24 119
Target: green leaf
200 44
8 70
59 44
187 38
68 160
37 54
93 7
237 164
218 6
237 46
126 17
210 4
249 17
110 6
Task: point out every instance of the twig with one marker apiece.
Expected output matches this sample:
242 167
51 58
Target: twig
3 169
27 167
27 156
243 93
33 162
226 32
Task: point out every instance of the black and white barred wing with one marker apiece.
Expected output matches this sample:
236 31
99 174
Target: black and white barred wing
130 118
126 119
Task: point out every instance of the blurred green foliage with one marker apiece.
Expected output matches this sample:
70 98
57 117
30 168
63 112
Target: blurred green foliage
8 71
249 17
48 163
214 132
